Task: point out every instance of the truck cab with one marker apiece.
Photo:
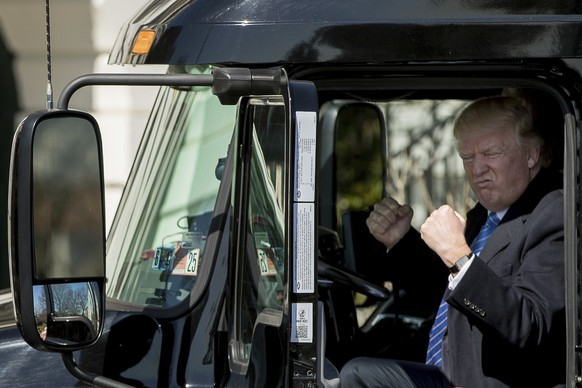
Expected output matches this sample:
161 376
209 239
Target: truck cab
239 254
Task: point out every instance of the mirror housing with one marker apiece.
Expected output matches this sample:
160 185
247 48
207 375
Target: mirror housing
57 230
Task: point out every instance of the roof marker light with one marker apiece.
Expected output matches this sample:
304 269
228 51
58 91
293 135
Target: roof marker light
143 42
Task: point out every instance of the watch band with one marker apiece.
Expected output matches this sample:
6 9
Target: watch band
461 263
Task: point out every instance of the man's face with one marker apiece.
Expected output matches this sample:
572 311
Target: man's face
497 167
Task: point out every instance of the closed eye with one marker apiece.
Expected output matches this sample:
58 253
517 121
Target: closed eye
492 155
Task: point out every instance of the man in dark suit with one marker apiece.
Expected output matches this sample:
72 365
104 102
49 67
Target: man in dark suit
502 320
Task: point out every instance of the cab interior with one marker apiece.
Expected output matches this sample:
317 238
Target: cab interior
378 138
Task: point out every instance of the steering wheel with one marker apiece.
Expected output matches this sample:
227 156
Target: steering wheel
351 279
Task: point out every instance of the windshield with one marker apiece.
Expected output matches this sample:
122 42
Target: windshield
156 244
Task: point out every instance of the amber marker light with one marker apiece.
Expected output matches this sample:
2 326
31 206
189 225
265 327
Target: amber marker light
143 42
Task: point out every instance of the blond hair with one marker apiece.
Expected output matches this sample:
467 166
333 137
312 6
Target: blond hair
502 111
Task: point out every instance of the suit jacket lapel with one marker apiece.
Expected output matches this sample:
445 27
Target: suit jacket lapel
501 237
545 182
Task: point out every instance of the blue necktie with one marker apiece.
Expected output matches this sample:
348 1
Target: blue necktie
434 352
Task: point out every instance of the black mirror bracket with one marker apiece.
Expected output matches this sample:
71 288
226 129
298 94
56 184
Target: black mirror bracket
228 84
100 381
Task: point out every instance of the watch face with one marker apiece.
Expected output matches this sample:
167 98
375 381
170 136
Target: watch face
460 263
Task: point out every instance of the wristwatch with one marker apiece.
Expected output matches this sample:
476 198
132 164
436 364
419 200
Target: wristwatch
461 262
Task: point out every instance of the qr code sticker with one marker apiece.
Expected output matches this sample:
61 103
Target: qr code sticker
302 332
302 325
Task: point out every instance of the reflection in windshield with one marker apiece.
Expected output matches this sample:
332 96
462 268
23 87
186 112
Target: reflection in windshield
158 238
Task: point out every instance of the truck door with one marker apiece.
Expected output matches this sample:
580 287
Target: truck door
266 306
273 302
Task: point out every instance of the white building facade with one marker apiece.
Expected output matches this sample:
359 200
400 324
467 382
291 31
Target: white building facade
82 34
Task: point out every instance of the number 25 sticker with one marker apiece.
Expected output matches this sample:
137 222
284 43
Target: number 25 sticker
187 264
192 262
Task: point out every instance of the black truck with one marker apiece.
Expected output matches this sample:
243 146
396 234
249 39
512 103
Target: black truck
239 254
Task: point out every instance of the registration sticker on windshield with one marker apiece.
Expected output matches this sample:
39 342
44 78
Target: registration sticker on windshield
266 265
187 262
265 254
163 258
302 322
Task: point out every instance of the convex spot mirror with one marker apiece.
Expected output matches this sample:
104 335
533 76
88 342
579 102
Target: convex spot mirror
57 232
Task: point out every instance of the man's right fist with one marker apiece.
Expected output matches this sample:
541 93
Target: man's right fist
389 221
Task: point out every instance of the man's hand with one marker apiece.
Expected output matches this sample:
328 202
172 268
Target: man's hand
444 232
389 221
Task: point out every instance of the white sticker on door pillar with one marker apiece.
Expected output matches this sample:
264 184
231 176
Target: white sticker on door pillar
304 247
302 322
305 145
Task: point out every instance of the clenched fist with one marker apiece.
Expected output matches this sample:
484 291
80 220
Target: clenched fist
389 221
444 232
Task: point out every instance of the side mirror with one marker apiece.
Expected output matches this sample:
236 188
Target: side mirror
57 230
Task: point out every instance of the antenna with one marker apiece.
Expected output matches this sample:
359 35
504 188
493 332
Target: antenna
49 86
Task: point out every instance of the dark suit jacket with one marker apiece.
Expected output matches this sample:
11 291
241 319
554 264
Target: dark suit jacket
507 314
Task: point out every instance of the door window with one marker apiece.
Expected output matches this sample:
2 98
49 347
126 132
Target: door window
260 246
